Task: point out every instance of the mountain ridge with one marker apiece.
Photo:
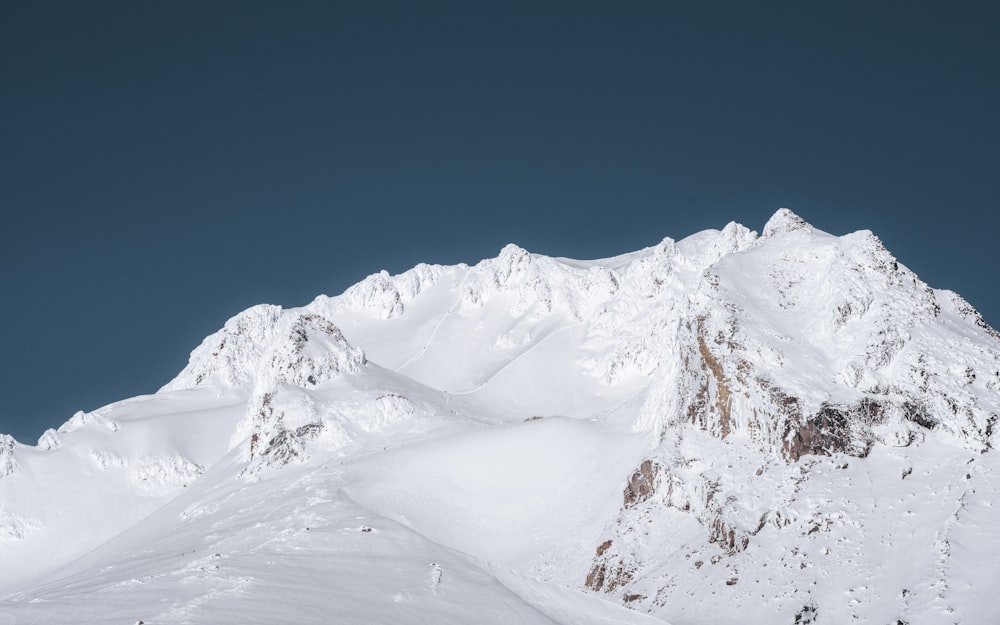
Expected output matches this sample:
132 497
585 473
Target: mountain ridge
717 410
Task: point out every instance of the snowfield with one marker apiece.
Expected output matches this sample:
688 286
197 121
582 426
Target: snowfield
731 428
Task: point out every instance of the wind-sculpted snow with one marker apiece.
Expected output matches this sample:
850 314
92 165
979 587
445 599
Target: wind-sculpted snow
14 526
7 462
637 331
158 472
783 221
273 354
384 296
265 343
81 419
786 428
49 440
388 410
308 352
536 285
231 355
107 460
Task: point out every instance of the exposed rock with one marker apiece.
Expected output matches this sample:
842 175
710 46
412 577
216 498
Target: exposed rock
968 312
312 352
641 485
265 344
783 221
231 353
825 433
715 385
807 615
917 413
603 547
727 537
607 576
283 447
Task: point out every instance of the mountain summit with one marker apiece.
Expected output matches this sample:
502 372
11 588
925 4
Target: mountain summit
786 428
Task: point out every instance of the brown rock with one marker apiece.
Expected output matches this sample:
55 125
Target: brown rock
642 484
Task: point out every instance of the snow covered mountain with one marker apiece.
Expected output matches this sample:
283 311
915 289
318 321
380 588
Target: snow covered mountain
784 428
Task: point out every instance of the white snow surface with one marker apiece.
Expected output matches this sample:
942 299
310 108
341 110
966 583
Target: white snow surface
730 428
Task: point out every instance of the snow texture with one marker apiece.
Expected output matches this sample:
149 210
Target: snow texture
785 428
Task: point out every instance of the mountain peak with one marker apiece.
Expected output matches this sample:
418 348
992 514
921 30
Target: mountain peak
731 400
782 221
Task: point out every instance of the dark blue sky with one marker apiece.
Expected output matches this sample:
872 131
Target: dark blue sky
167 164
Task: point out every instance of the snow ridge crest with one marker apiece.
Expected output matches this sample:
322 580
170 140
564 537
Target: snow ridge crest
783 221
264 344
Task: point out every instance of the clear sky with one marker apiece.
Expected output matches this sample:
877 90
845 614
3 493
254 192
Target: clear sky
168 164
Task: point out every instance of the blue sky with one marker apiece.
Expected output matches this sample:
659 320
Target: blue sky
165 165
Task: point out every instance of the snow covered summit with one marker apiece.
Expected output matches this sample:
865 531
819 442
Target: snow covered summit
785 428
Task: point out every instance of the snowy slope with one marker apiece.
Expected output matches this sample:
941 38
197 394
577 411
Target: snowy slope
783 428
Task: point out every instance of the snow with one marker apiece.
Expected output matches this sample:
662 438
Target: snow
718 429
509 494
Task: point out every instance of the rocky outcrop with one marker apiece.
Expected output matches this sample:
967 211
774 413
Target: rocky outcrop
608 573
830 431
800 350
384 296
284 446
281 424
305 351
312 351
641 485
230 355
265 343
537 285
81 419
783 221
8 464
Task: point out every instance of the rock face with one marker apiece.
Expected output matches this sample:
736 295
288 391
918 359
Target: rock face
275 356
